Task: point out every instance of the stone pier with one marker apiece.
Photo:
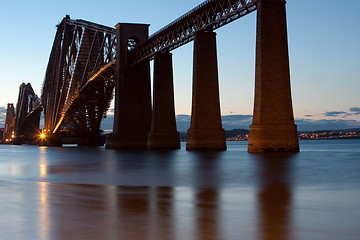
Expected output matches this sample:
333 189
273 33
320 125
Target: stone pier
205 130
132 91
273 127
163 132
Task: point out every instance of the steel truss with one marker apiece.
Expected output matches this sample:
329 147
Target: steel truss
28 105
9 128
208 16
80 48
79 80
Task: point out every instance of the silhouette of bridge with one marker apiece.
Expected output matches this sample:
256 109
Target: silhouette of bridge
23 125
88 61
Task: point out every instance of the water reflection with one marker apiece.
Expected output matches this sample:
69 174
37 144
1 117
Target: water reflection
67 211
133 212
274 195
43 162
44 220
167 212
207 214
65 193
208 172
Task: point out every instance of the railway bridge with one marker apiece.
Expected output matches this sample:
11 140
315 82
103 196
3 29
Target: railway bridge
88 62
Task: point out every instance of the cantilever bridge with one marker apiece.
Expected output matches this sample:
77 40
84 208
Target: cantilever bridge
88 61
21 126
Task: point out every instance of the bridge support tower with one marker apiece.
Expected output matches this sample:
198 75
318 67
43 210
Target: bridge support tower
163 133
273 127
205 130
132 91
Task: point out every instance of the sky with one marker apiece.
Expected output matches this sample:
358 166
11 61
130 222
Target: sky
324 53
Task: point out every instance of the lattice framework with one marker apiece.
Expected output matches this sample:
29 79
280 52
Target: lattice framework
79 49
208 16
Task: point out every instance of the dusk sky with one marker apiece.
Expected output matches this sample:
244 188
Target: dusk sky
324 51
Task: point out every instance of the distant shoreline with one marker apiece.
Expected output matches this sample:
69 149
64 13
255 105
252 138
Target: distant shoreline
243 134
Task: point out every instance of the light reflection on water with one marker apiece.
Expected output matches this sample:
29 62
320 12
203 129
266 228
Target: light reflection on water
64 193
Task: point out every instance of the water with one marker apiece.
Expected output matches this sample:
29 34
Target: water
93 193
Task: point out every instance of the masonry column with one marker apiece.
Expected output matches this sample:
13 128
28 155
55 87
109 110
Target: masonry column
205 130
132 91
163 132
273 127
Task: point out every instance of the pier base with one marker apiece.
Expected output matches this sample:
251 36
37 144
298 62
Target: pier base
273 138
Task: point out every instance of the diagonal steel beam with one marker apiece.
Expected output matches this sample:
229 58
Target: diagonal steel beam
79 49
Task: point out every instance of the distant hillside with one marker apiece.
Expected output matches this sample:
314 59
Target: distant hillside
237 134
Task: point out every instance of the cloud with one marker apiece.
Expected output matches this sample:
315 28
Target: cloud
325 124
334 114
355 110
352 111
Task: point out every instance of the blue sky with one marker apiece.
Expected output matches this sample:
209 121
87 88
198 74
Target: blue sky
324 51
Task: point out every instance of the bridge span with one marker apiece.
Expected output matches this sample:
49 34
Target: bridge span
22 125
88 61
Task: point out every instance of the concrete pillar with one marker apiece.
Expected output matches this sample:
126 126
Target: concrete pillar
273 127
205 130
132 92
163 132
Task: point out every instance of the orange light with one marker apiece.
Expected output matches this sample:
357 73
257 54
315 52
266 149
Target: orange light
42 135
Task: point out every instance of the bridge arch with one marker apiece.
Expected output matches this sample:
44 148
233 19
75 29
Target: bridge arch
80 59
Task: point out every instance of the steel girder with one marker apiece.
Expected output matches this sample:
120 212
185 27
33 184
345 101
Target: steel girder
80 48
209 15
89 108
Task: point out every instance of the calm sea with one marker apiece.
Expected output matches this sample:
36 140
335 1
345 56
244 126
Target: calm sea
93 193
